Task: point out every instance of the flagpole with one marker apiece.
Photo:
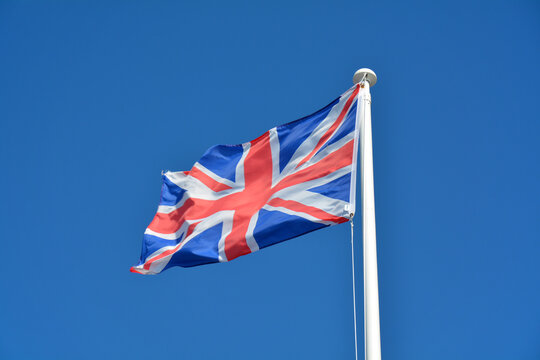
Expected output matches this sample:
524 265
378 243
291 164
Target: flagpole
367 78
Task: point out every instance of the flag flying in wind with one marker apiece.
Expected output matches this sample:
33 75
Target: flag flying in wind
237 199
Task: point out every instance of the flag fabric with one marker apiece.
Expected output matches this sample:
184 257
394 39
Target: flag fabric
237 199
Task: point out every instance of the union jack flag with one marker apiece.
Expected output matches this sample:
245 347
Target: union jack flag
237 199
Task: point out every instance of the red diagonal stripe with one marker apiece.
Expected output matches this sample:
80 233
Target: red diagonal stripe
310 210
160 256
133 270
332 128
192 209
170 251
332 162
207 180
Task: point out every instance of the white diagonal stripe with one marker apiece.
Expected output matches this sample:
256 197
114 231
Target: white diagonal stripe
315 182
312 140
327 204
224 217
326 151
213 175
274 148
250 240
297 213
239 176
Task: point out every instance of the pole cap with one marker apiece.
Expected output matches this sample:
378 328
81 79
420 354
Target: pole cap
368 73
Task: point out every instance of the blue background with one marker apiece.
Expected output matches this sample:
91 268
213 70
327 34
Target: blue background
96 98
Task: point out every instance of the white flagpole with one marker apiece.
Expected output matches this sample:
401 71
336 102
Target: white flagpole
367 78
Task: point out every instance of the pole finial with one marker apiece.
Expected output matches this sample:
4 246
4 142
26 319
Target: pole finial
365 74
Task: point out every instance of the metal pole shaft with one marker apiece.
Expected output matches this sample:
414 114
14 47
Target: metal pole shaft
371 289
354 291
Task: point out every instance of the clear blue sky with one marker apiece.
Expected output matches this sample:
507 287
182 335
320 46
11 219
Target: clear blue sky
96 98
